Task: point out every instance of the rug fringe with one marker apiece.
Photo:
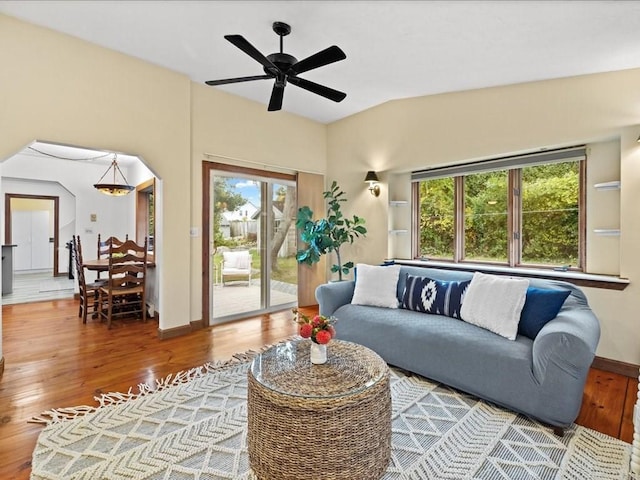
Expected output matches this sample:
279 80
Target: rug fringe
56 415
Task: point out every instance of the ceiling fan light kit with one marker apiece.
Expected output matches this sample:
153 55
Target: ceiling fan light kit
285 68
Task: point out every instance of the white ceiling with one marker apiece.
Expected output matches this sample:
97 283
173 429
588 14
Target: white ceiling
395 49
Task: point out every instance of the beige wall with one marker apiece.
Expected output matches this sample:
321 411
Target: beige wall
600 110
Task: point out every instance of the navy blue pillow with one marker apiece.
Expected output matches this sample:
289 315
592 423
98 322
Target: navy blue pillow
424 294
540 307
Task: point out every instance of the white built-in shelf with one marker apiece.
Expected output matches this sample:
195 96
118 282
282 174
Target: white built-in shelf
397 203
398 232
607 232
615 185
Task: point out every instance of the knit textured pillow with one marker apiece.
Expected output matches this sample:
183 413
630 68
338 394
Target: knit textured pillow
424 294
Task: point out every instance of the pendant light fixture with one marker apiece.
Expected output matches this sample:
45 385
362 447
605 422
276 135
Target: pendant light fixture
114 189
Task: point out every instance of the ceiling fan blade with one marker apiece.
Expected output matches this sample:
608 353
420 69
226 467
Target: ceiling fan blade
324 57
240 42
276 97
326 92
237 80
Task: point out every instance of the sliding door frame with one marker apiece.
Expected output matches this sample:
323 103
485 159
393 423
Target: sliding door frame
207 174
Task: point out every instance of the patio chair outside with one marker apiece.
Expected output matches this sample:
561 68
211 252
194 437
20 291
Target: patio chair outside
236 266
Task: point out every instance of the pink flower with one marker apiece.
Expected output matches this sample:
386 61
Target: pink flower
306 330
317 321
323 337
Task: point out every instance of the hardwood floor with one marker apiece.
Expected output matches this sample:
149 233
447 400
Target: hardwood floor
53 360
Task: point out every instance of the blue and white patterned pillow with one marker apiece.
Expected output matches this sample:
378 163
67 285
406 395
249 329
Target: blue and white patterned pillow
424 294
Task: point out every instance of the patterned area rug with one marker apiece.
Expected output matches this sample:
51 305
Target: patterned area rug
193 426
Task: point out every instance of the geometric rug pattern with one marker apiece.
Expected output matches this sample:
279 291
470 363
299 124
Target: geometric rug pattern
193 427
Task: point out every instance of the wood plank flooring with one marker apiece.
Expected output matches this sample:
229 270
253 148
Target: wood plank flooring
53 360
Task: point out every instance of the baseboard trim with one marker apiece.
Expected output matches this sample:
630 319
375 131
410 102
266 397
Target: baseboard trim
616 366
181 330
174 332
1 366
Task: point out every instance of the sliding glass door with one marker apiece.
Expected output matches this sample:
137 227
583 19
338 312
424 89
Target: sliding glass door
252 243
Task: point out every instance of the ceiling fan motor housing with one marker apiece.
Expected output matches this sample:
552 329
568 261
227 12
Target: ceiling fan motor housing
281 60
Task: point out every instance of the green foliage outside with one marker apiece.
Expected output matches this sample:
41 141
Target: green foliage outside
225 200
550 216
485 213
437 223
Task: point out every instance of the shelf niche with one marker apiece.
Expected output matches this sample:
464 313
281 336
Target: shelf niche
614 185
607 232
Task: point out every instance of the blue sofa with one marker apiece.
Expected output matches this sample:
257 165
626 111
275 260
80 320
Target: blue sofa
542 378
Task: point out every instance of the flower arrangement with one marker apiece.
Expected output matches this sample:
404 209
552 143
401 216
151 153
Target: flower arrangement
319 328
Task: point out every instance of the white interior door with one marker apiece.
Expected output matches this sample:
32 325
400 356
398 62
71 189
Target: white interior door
21 237
30 231
41 247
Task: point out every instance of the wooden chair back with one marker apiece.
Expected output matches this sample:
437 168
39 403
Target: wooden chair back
87 292
127 264
105 245
125 292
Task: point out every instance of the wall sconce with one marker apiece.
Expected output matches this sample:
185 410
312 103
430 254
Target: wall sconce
373 180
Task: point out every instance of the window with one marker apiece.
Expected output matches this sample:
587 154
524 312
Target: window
437 218
486 226
515 211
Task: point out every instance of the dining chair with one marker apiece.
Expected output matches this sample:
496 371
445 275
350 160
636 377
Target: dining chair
105 245
124 293
88 291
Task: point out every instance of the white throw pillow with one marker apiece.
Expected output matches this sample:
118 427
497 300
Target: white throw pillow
494 303
376 285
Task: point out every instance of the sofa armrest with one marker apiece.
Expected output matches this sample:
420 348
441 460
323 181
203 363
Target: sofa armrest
568 342
332 296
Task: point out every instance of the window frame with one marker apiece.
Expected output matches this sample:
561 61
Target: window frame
514 219
143 215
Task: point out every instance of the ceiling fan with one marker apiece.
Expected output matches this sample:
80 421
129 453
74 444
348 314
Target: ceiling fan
285 68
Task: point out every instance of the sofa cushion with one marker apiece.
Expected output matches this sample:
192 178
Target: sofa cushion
376 286
495 303
540 307
427 295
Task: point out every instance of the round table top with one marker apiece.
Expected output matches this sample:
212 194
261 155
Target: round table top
286 369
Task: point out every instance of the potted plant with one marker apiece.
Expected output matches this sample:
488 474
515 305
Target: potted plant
328 234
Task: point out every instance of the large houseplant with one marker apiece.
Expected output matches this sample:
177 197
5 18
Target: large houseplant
328 234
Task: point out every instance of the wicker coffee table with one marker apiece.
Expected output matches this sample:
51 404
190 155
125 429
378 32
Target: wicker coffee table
313 422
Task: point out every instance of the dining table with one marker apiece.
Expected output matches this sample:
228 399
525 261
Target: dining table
102 264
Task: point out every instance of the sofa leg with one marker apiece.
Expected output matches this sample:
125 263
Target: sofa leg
559 431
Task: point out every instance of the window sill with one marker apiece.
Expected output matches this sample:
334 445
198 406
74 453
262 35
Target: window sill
577 278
